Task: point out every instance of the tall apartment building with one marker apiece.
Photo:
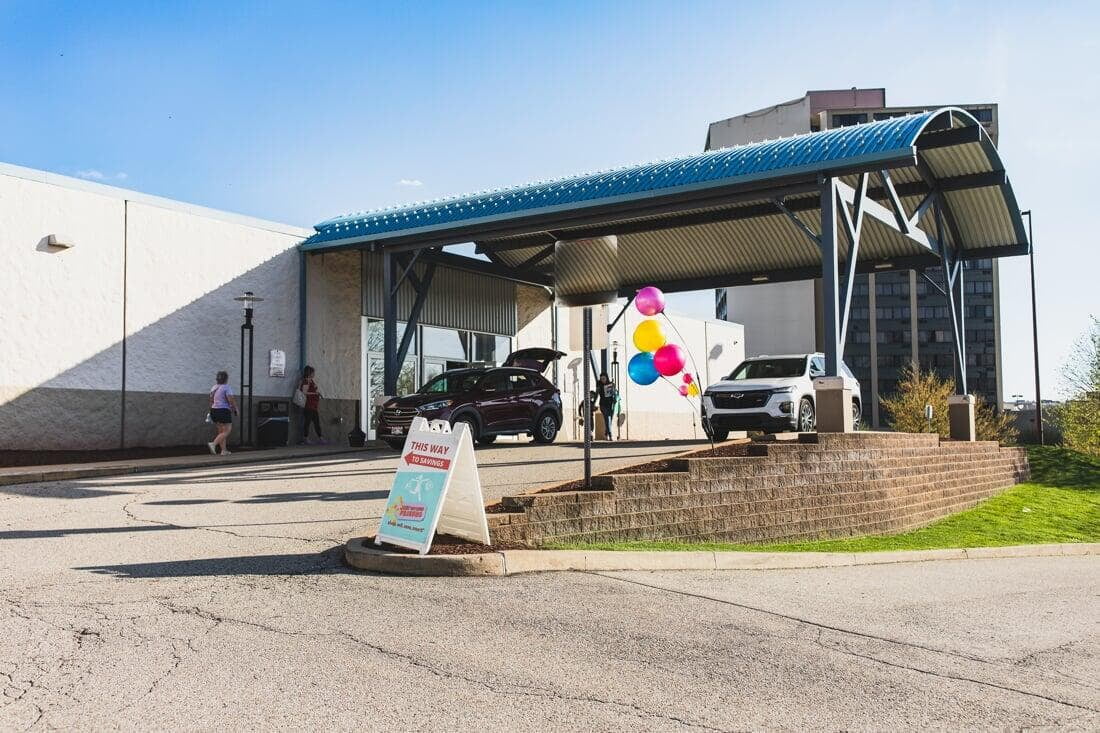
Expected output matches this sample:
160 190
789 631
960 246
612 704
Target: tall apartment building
897 318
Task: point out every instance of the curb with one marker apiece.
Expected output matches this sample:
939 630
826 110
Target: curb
41 474
362 556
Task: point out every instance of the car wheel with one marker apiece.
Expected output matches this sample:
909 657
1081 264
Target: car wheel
857 415
546 428
719 435
486 440
397 445
806 418
470 423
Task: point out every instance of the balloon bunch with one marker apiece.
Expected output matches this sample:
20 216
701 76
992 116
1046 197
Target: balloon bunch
656 357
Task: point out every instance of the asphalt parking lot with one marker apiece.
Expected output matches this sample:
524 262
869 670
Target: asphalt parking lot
215 599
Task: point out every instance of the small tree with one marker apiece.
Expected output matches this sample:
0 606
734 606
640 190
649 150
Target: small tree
918 388
1079 417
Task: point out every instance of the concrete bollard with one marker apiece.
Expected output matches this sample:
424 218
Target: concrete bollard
833 398
960 416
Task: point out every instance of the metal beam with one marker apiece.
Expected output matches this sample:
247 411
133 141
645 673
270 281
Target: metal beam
414 314
792 274
536 258
853 229
956 304
932 282
894 200
954 136
798 222
881 214
408 265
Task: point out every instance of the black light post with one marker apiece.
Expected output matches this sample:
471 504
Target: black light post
249 299
1035 331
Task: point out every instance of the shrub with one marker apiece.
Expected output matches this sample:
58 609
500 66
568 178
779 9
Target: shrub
918 388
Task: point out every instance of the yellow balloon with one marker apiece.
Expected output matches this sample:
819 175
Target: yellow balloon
649 336
693 389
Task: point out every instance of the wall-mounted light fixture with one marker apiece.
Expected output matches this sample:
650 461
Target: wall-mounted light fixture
58 241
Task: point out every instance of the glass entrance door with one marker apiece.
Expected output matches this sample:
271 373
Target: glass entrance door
374 380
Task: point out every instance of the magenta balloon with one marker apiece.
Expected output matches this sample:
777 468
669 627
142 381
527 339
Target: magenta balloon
683 390
669 359
650 301
687 377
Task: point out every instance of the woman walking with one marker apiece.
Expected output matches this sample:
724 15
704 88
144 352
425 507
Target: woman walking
310 416
223 406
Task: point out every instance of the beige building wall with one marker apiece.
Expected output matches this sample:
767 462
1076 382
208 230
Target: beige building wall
141 304
333 339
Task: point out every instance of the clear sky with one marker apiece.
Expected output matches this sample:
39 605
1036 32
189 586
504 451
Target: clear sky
300 111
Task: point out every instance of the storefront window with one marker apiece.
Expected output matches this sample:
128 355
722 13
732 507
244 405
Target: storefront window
444 343
376 336
489 349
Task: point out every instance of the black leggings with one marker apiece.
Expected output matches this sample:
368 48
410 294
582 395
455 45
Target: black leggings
310 417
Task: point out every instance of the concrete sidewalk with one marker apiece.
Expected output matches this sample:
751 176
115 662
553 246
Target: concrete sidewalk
67 471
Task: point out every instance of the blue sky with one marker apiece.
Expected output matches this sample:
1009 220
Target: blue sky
300 111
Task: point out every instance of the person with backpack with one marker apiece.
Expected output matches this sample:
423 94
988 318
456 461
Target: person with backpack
608 395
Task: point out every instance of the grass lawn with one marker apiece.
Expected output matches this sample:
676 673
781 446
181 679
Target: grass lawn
1061 503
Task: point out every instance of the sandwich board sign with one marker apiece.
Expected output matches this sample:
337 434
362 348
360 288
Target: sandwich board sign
436 488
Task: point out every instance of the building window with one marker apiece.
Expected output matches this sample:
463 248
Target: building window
849 118
490 349
444 343
721 310
889 115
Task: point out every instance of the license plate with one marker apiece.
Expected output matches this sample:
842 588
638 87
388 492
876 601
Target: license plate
397 431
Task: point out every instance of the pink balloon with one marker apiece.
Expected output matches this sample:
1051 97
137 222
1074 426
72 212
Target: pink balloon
688 377
683 390
650 301
669 359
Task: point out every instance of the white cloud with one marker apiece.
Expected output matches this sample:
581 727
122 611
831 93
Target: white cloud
92 174
410 182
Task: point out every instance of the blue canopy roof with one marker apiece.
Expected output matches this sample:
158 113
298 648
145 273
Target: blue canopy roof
841 149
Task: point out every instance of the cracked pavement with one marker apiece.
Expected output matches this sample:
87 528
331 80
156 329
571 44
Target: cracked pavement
215 599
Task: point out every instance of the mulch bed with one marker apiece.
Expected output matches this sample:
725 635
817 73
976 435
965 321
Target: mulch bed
445 544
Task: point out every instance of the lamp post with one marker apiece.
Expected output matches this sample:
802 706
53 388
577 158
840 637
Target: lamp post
1035 331
615 362
249 301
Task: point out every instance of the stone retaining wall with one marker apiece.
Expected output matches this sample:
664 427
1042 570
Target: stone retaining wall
827 485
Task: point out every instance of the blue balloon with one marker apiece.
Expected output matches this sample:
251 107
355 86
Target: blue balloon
641 369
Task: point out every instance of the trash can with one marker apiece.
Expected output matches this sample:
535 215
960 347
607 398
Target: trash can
272 423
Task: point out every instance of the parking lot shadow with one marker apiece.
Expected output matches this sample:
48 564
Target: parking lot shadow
298 564
314 496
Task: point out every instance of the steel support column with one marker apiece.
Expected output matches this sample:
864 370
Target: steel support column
830 277
389 324
956 301
589 428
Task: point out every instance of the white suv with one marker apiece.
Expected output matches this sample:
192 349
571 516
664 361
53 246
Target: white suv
770 393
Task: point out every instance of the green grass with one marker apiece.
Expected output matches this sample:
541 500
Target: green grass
1061 503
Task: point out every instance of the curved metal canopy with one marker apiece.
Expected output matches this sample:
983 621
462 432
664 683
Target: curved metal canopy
735 215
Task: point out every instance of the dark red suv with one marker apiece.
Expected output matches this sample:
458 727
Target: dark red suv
512 399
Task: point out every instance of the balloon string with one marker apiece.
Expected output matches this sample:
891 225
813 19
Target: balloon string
691 356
